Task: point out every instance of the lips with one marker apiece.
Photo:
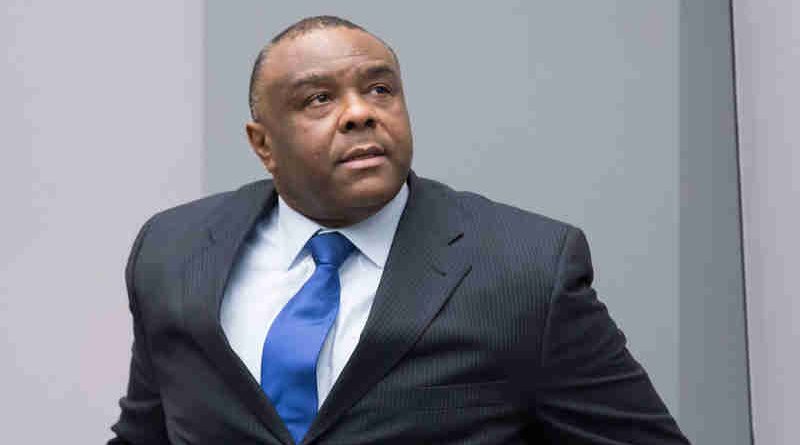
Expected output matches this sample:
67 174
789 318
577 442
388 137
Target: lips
363 152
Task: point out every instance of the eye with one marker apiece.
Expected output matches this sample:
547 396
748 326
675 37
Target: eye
381 89
318 99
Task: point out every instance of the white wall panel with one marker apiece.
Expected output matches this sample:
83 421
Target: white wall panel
767 36
102 108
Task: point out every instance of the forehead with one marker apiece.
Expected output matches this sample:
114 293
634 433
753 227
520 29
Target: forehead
324 50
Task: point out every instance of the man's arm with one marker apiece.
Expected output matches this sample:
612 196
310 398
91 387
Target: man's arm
142 418
589 387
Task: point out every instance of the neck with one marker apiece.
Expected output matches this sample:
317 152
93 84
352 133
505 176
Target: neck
339 218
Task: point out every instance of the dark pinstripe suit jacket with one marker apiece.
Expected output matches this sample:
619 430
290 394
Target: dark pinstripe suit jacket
484 330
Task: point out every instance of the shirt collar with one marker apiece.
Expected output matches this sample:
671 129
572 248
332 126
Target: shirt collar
372 236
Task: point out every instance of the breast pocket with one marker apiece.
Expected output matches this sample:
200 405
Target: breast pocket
440 397
474 413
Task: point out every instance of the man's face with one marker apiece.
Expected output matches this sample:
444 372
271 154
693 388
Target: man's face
332 127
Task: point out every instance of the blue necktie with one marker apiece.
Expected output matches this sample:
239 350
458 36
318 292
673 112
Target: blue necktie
289 359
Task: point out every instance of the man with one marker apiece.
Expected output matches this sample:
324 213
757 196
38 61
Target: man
348 301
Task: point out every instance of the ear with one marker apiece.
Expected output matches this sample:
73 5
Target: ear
261 143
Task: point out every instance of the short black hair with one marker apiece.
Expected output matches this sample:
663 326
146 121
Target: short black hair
299 28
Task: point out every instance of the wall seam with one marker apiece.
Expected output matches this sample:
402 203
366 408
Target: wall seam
742 245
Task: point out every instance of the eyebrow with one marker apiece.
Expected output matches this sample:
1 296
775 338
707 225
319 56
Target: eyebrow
317 78
379 70
309 79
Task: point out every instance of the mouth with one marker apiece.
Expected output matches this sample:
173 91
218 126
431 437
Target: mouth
364 156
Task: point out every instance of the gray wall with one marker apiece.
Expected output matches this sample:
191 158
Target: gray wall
768 69
102 113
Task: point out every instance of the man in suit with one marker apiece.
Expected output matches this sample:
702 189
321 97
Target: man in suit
348 301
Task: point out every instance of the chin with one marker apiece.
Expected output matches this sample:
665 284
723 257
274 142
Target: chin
368 194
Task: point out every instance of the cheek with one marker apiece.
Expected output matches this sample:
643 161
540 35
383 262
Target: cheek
397 117
309 151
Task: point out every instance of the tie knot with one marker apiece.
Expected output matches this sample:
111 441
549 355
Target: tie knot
330 248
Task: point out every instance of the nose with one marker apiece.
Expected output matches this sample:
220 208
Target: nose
357 115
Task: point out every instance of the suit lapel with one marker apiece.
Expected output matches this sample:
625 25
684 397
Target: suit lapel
422 271
205 276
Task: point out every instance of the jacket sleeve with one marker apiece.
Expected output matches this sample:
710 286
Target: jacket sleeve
590 390
141 419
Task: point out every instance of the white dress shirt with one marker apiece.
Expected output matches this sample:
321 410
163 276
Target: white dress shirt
273 266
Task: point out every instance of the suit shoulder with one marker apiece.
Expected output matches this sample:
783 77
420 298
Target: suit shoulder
196 211
505 244
524 242
174 233
485 212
